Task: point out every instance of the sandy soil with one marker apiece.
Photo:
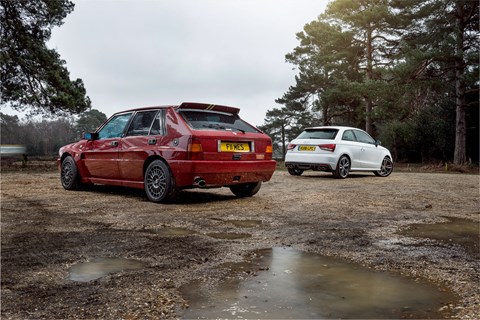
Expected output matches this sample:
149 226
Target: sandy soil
45 230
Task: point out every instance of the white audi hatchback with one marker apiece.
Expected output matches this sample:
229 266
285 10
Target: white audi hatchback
339 150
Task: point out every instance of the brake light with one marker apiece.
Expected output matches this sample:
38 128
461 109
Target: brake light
268 152
291 146
195 150
328 147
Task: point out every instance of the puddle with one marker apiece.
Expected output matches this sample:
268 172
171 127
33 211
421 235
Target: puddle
172 231
290 284
100 267
246 223
460 231
229 236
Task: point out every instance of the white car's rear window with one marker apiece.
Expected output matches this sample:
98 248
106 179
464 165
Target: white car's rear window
328 134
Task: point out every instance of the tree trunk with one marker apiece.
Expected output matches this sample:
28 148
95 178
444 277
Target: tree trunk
325 115
460 154
368 100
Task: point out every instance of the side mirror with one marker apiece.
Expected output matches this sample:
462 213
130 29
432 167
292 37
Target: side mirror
378 143
90 136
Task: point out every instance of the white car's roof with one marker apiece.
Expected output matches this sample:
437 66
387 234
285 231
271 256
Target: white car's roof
333 127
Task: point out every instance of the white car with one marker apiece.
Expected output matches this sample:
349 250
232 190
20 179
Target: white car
339 150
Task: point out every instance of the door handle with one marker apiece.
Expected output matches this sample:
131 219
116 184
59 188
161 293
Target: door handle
114 143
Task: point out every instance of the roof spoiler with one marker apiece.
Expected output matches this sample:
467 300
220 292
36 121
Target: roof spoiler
206 106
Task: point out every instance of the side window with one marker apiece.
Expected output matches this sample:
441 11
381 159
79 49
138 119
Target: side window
115 127
364 137
348 136
158 126
141 123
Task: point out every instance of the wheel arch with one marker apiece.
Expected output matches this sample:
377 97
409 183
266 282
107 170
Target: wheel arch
386 154
75 156
64 155
344 154
152 158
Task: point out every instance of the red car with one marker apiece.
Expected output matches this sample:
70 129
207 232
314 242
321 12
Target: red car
168 148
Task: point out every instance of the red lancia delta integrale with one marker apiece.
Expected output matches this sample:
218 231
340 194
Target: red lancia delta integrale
167 148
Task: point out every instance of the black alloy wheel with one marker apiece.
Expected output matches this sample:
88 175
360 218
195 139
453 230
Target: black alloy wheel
295 171
246 189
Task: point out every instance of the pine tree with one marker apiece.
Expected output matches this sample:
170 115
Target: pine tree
34 77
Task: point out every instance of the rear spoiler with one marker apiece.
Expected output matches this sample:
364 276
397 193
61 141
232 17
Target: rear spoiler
205 106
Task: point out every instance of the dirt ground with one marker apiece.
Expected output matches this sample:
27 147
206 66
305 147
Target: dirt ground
45 230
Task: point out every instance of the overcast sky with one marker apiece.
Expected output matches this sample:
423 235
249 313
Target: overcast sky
154 52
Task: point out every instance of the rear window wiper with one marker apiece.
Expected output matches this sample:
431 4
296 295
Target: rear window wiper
238 129
219 127
214 126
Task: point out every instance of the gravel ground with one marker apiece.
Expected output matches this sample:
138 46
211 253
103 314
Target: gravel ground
45 230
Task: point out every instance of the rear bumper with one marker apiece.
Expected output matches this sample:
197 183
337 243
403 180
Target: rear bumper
309 166
221 173
312 161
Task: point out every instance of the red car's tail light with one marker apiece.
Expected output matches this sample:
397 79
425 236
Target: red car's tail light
328 147
268 152
195 150
291 146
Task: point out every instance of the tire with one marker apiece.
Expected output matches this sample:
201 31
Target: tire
343 168
295 171
69 175
385 169
158 182
246 189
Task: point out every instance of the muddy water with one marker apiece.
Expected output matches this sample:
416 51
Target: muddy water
460 231
100 267
173 231
285 283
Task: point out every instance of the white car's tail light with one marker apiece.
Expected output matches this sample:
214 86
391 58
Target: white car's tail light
328 147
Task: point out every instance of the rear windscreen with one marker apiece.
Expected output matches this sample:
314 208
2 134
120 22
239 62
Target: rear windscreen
318 134
208 120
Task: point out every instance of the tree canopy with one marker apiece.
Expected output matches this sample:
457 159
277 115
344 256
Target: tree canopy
405 70
90 120
33 77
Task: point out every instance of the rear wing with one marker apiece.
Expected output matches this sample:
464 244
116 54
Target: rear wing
212 107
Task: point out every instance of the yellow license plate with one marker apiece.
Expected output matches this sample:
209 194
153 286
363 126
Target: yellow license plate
234 147
306 148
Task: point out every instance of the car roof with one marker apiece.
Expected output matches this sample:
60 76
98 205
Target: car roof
190 105
333 127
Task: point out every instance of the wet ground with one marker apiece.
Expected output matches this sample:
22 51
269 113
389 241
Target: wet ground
454 230
284 283
147 259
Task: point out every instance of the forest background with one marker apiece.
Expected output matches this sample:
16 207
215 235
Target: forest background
406 71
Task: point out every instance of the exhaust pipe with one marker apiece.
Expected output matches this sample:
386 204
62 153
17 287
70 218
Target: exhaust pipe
200 182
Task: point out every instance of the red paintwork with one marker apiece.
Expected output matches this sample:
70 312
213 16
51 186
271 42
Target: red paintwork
122 161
